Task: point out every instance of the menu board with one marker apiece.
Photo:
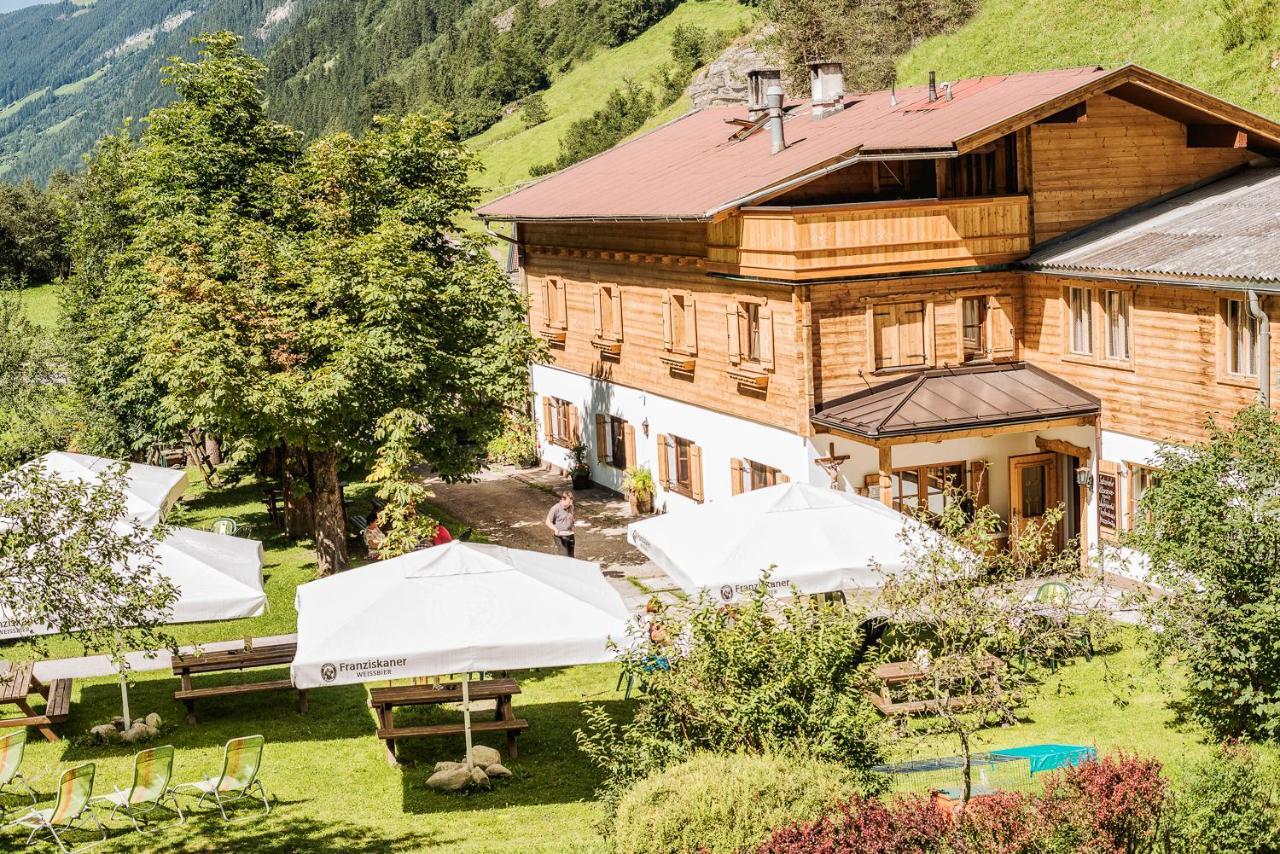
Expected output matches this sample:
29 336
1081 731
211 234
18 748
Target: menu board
1107 502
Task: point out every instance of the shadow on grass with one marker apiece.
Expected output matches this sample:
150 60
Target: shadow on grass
549 770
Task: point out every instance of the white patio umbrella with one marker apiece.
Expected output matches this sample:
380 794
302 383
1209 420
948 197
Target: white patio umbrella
455 608
818 540
149 490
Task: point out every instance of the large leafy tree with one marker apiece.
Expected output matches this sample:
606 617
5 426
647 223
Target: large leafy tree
1209 529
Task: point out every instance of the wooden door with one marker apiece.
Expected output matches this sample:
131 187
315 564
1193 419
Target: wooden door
1033 490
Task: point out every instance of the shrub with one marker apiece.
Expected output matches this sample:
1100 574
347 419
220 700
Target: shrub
623 113
1111 806
517 444
714 803
1226 804
904 826
533 111
689 45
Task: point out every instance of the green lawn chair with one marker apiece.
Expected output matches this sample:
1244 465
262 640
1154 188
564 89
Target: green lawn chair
241 761
12 747
152 773
225 526
75 790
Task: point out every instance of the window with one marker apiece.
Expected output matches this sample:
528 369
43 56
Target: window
679 323
1241 339
746 475
898 334
923 489
749 328
1115 307
680 466
560 421
615 441
554 300
1141 478
1080 305
762 475
608 314
973 312
618 456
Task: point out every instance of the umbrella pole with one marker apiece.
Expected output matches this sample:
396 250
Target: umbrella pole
466 715
124 699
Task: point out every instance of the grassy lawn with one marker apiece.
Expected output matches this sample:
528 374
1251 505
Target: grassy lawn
333 789
42 304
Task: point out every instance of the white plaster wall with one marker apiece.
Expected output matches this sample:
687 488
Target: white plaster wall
721 437
1121 448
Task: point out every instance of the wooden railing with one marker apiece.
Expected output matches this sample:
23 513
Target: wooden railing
832 241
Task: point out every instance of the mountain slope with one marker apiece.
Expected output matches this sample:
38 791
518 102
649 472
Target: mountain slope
72 71
1229 48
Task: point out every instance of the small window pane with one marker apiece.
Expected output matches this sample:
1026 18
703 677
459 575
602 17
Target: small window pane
971 320
1034 498
683 474
1081 321
1117 309
1242 340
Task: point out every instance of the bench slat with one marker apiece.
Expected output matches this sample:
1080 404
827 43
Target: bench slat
58 706
227 690
488 689
517 725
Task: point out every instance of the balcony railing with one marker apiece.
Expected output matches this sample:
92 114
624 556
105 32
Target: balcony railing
833 241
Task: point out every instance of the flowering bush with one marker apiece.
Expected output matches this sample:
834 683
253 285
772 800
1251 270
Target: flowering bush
904 826
1112 806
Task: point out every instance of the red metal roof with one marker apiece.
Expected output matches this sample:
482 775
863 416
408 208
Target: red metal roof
689 168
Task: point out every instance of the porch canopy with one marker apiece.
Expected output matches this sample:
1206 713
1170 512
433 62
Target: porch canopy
816 539
149 490
456 608
955 402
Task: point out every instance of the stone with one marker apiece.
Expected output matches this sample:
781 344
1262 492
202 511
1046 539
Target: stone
723 82
449 781
449 766
153 720
481 779
496 771
105 732
484 756
118 721
139 732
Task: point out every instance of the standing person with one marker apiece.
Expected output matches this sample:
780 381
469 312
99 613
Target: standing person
560 521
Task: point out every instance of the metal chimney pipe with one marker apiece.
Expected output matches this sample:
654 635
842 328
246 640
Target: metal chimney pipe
774 99
933 87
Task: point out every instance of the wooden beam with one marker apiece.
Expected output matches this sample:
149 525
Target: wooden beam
1216 136
1074 114
966 433
1058 446
886 475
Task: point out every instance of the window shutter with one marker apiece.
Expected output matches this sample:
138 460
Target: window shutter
1000 324
695 471
598 298
546 303
766 337
629 442
547 429
783 477
667 341
690 325
602 439
886 335
615 305
562 294
575 427
664 468
731 317
736 478
911 345
978 483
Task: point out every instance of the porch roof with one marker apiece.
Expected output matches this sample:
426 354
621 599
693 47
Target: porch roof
950 400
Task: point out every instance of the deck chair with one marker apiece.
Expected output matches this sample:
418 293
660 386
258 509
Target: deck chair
12 746
70 807
152 773
241 761
225 526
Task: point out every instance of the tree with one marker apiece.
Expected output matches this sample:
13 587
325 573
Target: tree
533 111
960 611
1209 530
36 408
72 561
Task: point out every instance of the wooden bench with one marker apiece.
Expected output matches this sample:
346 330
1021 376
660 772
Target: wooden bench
234 659
896 674
16 688
385 700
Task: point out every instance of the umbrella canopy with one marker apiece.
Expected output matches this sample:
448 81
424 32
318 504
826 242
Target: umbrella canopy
218 578
149 490
817 539
455 608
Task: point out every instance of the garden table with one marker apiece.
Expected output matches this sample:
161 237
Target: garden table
274 655
16 689
384 701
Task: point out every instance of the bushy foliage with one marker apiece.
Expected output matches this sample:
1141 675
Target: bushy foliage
1244 23
623 20
38 412
1228 803
533 110
690 45
33 233
624 111
903 826
1209 529
761 676
517 444
1115 805
725 803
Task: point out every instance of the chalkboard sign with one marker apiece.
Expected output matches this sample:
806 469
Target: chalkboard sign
1107 501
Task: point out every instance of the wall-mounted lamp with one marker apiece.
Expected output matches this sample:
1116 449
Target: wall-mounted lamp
1084 477
644 427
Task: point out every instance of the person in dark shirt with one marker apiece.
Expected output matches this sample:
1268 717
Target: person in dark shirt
560 520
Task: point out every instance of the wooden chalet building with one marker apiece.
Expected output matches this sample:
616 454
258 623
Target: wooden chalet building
1020 283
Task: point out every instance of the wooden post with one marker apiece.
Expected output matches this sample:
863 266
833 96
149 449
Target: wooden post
886 476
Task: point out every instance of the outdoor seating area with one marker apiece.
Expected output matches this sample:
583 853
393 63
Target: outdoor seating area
384 702
19 687
185 666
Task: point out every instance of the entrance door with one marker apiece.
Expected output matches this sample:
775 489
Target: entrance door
1033 490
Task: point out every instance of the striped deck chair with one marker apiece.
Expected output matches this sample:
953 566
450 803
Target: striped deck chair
241 761
152 773
12 747
70 807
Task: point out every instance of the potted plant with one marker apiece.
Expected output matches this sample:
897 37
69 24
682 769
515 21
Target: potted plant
637 483
581 470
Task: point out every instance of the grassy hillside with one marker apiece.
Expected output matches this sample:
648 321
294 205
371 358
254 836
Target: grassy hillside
1217 46
508 149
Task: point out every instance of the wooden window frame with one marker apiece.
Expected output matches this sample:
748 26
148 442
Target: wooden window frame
1099 325
1104 300
1132 471
679 354
751 371
922 481
927 331
607 311
983 350
1069 322
563 415
669 465
555 307
1225 343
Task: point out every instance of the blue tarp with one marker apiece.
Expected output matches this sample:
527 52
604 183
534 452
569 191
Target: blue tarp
1049 757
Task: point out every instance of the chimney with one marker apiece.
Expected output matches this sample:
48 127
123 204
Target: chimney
933 87
774 99
826 83
759 81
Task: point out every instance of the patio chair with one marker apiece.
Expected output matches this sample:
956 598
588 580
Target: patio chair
241 761
12 746
70 807
152 773
1052 601
225 526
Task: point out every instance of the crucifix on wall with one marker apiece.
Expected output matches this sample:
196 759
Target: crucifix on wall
831 464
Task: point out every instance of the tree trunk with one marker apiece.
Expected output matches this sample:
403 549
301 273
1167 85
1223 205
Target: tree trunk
213 449
299 493
968 770
330 516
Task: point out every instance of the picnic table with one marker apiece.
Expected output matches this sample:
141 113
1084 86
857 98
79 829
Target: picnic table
274 655
384 701
16 689
895 674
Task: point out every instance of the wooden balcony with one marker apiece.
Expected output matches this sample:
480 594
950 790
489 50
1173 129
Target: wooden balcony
834 241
